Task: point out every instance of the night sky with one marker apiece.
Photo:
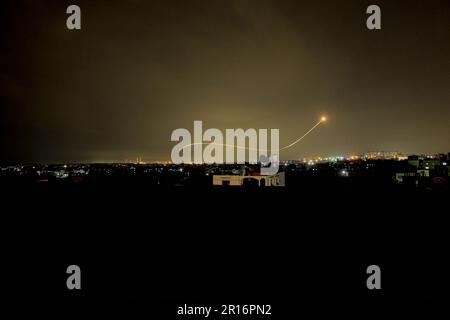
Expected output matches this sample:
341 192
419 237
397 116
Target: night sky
116 89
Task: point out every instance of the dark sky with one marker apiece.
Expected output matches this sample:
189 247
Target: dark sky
137 70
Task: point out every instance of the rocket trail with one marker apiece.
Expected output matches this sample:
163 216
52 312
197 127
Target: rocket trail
323 119
303 136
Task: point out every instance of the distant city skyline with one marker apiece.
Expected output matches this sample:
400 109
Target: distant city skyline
141 160
116 89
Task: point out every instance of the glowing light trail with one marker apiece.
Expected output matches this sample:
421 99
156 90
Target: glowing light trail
322 119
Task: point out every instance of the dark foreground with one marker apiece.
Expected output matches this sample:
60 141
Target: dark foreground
221 245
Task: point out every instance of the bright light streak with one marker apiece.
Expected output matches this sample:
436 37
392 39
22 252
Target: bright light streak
322 119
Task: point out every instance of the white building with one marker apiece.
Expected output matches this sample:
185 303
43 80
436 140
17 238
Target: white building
276 180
